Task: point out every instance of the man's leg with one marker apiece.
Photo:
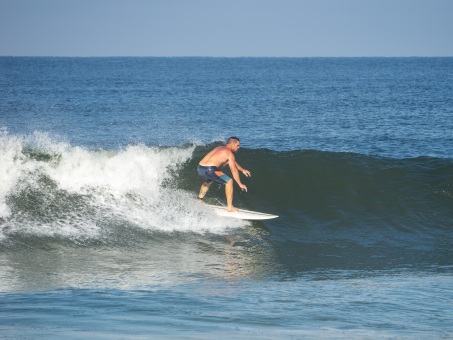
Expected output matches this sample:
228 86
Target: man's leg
229 195
204 189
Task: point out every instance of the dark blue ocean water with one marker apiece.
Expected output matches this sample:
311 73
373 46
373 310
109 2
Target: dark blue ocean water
100 235
395 107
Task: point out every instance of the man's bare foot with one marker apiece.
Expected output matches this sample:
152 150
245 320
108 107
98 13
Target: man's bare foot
232 209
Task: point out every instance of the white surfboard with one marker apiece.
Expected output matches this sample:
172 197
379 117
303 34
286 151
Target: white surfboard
241 214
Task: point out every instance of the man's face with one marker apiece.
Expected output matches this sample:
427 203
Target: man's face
236 146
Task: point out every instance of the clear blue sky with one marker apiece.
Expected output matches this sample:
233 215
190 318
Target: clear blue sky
295 28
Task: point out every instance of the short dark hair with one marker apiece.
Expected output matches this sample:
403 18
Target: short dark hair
232 138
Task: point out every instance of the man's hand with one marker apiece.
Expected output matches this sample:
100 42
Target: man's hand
246 173
243 187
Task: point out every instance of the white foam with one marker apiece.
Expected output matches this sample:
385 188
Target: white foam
125 186
11 169
15 165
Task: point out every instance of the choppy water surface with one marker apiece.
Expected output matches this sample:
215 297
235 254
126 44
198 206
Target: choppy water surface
100 235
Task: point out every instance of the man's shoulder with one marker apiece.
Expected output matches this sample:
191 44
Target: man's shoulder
223 153
222 149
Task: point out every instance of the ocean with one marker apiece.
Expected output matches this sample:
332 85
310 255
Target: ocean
101 236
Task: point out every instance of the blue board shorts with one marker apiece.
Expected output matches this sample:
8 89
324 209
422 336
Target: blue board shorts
212 174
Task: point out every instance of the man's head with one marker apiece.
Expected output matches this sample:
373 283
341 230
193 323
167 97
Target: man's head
233 143
233 140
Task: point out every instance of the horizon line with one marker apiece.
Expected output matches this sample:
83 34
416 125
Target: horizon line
224 57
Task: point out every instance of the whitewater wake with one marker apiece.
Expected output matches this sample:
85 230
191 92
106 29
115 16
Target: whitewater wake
50 188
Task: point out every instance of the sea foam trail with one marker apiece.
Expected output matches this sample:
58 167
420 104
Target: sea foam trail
54 189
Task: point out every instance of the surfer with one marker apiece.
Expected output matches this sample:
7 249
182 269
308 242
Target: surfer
210 165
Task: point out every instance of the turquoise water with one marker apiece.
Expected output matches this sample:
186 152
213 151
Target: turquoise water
100 235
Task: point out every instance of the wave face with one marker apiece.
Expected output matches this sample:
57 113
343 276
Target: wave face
335 208
344 210
351 192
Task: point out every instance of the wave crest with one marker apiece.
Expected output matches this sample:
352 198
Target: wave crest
54 189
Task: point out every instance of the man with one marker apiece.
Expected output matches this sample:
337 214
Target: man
209 170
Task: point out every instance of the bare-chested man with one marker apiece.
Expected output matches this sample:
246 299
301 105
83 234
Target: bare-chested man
210 165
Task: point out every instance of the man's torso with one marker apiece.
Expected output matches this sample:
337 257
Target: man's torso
217 157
